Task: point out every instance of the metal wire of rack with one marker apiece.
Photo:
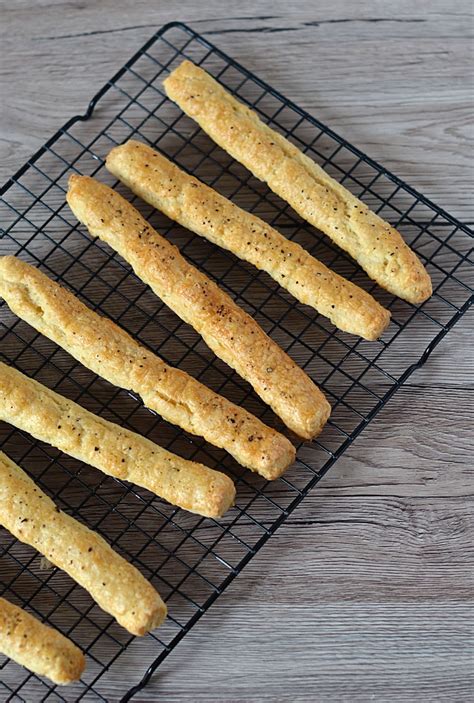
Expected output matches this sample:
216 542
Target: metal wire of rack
191 560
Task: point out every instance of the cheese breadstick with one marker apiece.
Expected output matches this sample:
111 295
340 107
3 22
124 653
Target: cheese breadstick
114 450
296 178
201 209
117 586
230 332
38 647
109 351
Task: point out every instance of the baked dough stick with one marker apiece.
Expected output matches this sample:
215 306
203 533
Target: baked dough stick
199 208
41 649
114 450
296 178
102 346
117 586
231 333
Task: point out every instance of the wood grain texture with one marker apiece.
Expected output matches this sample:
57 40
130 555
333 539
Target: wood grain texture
365 594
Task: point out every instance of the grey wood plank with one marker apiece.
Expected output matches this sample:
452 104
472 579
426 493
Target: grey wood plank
396 653
403 114
292 628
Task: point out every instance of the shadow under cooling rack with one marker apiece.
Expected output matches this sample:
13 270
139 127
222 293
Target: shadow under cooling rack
190 559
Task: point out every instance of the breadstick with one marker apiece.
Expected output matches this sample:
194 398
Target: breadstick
109 351
231 333
201 209
117 586
41 649
296 178
113 450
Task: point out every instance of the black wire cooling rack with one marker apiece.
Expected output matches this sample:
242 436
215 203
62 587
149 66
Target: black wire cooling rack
192 560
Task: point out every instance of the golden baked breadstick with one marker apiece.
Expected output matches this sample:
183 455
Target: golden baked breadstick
230 332
41 649
117 586
114 450
296 178
201 209
109 351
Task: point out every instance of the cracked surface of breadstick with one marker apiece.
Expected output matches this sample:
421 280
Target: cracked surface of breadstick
109 351
38 647
231 333
201 209
117 586
377 246
113 450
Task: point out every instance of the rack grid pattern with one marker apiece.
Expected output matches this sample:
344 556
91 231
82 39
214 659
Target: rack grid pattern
191 560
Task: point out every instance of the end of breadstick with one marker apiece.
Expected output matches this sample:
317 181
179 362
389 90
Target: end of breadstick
115 155
8 261
82 193
70 669
406 278
316 421
74 180
185 69
418 287
219 497
412 281
74 195
76 184
150 619
38 647
277 454
377 324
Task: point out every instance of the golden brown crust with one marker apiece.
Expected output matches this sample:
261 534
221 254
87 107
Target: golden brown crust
114 450
310 191
117 586
230 332
109 351
202 210
41 649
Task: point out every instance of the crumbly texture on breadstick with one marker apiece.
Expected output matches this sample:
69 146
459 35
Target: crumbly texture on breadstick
231 333
201 209
109 351
311 192
114 450
117 586
41 649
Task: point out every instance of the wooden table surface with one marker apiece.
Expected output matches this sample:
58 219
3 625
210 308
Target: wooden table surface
366 592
